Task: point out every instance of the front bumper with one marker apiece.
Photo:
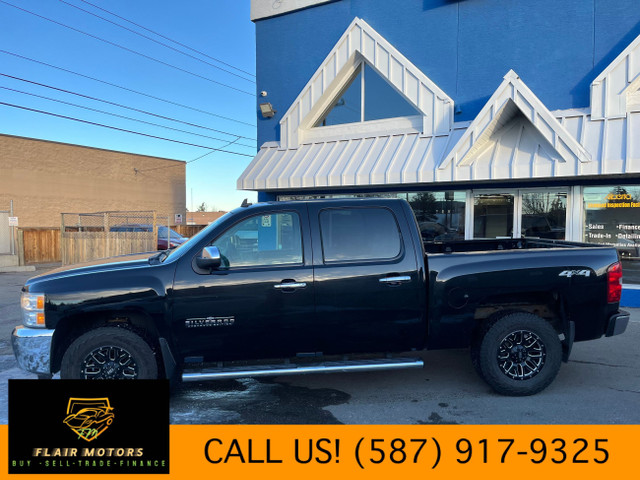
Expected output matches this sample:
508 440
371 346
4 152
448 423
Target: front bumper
617 323
32 348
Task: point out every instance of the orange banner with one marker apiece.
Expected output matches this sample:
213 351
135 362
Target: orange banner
372 451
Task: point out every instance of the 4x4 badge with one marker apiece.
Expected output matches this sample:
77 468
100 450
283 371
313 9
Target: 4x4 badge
89 417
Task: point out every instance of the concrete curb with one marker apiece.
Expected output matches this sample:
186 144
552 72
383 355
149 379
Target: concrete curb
29 268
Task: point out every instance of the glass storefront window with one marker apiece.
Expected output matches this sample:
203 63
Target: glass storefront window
544 215
612 217
440 215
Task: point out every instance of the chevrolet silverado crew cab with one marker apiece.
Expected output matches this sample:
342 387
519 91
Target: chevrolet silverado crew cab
320 286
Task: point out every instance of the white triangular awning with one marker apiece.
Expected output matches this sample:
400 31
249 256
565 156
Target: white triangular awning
511 101
514 136
361 43
611 89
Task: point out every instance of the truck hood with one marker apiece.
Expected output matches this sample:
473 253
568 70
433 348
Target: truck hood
121 262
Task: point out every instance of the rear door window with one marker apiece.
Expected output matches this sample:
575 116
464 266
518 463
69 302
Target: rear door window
355 234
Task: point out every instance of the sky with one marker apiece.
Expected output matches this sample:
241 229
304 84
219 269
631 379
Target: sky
206 98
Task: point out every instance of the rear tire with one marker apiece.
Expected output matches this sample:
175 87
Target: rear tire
108 353
519 354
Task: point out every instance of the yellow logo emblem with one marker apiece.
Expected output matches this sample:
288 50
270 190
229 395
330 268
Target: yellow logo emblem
89 417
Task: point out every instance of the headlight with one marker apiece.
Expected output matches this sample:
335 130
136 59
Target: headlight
32 310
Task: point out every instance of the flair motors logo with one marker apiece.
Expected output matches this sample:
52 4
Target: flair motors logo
89 417
73 418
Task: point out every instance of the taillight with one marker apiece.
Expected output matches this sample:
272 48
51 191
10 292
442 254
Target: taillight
614 282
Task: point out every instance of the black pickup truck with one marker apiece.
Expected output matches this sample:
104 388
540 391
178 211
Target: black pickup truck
333 285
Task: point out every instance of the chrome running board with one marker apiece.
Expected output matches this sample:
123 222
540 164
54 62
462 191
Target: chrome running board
300 369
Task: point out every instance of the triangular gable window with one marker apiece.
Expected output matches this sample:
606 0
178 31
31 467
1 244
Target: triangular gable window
367 97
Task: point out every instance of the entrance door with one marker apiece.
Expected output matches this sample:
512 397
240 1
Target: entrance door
518 213
493 215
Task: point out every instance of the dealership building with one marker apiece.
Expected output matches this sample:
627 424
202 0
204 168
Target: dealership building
492 118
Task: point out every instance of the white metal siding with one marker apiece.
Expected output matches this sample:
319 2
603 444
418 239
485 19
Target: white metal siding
514 137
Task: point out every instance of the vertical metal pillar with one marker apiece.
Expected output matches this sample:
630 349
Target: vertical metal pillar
13 231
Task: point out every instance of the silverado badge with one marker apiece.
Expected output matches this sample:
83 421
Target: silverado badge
209 322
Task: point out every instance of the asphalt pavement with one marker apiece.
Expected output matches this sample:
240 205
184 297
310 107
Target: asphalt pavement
599 385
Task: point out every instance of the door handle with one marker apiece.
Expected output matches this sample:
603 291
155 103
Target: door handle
290 286
395 280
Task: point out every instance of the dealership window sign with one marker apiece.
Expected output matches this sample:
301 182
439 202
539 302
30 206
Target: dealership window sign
612 217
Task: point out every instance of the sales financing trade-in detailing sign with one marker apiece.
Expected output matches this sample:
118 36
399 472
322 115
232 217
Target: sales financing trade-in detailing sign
79 426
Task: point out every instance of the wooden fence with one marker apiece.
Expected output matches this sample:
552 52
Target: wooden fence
80 247
40 245
188 230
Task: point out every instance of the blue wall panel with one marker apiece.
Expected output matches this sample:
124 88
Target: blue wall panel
617 24
431 44
289 49
465 47
547 42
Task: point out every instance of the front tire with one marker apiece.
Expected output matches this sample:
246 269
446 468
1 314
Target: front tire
109 353
519 354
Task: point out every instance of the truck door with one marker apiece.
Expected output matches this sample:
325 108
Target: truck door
367 279
260 302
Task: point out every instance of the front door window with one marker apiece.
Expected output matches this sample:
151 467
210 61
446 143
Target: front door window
272 239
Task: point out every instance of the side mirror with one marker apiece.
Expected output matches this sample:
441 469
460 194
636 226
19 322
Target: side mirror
209 259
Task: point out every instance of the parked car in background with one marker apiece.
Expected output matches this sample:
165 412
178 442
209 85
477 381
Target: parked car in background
172 240
167 238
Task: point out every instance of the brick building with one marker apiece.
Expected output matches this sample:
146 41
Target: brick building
45 179
203 218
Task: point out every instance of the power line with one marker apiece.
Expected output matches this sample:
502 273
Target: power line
167 38
128 49
155 41
190 161
119 129
122 116
124 106
137 92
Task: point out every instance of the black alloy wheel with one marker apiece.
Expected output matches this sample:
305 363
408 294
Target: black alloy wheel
521 355
109 353
109 363
518 354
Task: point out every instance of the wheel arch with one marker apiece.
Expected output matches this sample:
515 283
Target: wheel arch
70 328
550 306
